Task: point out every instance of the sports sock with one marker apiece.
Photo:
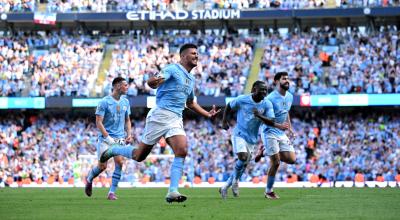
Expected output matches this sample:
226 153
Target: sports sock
239 169
94 172
176 173
270 183
115 178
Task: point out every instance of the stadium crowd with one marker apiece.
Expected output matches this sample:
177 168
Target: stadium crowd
334 147
49 64
222 70
319 61
17 6
335 62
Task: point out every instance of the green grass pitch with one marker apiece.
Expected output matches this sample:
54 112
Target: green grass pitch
139 203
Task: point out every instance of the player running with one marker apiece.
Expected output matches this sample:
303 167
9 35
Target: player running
175 89
277 145
112 119
252 110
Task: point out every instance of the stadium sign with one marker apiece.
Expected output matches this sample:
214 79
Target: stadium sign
183 15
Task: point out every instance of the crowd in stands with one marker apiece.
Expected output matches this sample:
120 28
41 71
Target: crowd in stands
223 66
69 68
17 5
319 61
49 64
334 147
335 62
14 65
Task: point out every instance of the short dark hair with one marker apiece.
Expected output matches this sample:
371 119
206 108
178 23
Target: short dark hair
117 80
185 47
257 83
279 75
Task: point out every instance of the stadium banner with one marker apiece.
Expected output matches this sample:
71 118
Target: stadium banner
384 99
215 14
3 102
22 103
226 14
341 100
324 100
44 18
85 102
350 100
59 102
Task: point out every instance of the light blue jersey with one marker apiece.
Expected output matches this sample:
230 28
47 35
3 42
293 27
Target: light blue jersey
247 125
114 113
176 89
281 105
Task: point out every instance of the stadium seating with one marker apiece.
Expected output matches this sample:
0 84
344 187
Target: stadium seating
321 61
46 149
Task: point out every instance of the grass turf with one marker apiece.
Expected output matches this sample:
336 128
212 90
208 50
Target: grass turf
138 203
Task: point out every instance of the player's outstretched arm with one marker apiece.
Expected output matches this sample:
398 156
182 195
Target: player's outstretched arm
190 103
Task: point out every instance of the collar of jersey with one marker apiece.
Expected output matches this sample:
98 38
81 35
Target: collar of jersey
183 69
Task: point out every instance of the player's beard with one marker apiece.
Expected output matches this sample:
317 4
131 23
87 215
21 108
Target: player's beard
285 86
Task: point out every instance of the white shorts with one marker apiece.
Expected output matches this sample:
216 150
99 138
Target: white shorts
102 146
161 123
240 145
274 144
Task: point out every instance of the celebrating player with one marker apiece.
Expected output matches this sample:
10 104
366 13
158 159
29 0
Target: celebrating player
277 145
252 110
175 88
112 119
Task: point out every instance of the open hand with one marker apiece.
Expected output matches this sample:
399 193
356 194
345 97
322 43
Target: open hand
214 111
